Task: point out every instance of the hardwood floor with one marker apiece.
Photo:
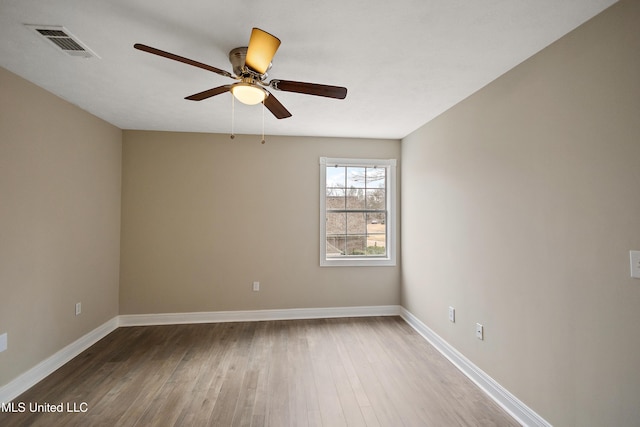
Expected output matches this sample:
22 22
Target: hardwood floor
330 372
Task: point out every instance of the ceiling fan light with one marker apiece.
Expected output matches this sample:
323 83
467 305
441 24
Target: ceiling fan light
248 94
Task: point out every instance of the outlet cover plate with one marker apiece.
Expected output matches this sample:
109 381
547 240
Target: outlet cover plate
452 314
3 342
635 264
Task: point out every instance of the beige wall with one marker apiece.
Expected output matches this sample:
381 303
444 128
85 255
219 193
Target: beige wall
59 223
519 208
204 216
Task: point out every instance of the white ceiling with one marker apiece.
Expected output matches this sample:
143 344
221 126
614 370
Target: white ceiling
403 62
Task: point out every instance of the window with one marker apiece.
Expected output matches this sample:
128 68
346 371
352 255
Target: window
357 212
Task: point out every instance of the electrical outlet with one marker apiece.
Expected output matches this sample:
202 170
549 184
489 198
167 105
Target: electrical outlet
3 342
256 286
78 308
452 314
635 264
479 331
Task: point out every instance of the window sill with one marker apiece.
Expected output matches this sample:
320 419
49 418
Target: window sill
358 262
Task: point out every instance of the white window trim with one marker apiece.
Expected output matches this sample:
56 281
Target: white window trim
390 259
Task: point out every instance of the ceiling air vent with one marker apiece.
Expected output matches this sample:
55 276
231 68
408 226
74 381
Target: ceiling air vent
64 40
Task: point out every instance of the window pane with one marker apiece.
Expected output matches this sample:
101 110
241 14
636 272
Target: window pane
376 199
355 177
336 246
356 245
376 221
335 198
336 176
376 234
376 177
376 245
356 223
355 198
335 192
336 223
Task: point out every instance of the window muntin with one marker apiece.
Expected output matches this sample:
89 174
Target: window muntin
357 212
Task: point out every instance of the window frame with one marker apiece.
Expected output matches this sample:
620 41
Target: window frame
391 208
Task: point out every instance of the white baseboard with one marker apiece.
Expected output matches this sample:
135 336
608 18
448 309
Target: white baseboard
517 409
45 368
256 315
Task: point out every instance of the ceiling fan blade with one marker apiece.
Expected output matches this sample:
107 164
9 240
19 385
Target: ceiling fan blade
337 92
178 58
262 48
209 93
276 108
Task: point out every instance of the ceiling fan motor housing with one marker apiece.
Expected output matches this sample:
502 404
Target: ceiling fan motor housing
237 57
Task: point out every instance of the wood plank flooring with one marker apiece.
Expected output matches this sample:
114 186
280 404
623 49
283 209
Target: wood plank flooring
330 372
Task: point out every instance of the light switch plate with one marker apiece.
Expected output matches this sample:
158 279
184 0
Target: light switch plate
479 331
3 342
635 264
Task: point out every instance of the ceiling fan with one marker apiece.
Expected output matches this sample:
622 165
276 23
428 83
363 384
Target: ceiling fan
250 65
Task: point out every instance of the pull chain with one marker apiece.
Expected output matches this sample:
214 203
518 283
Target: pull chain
233 114
263 141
